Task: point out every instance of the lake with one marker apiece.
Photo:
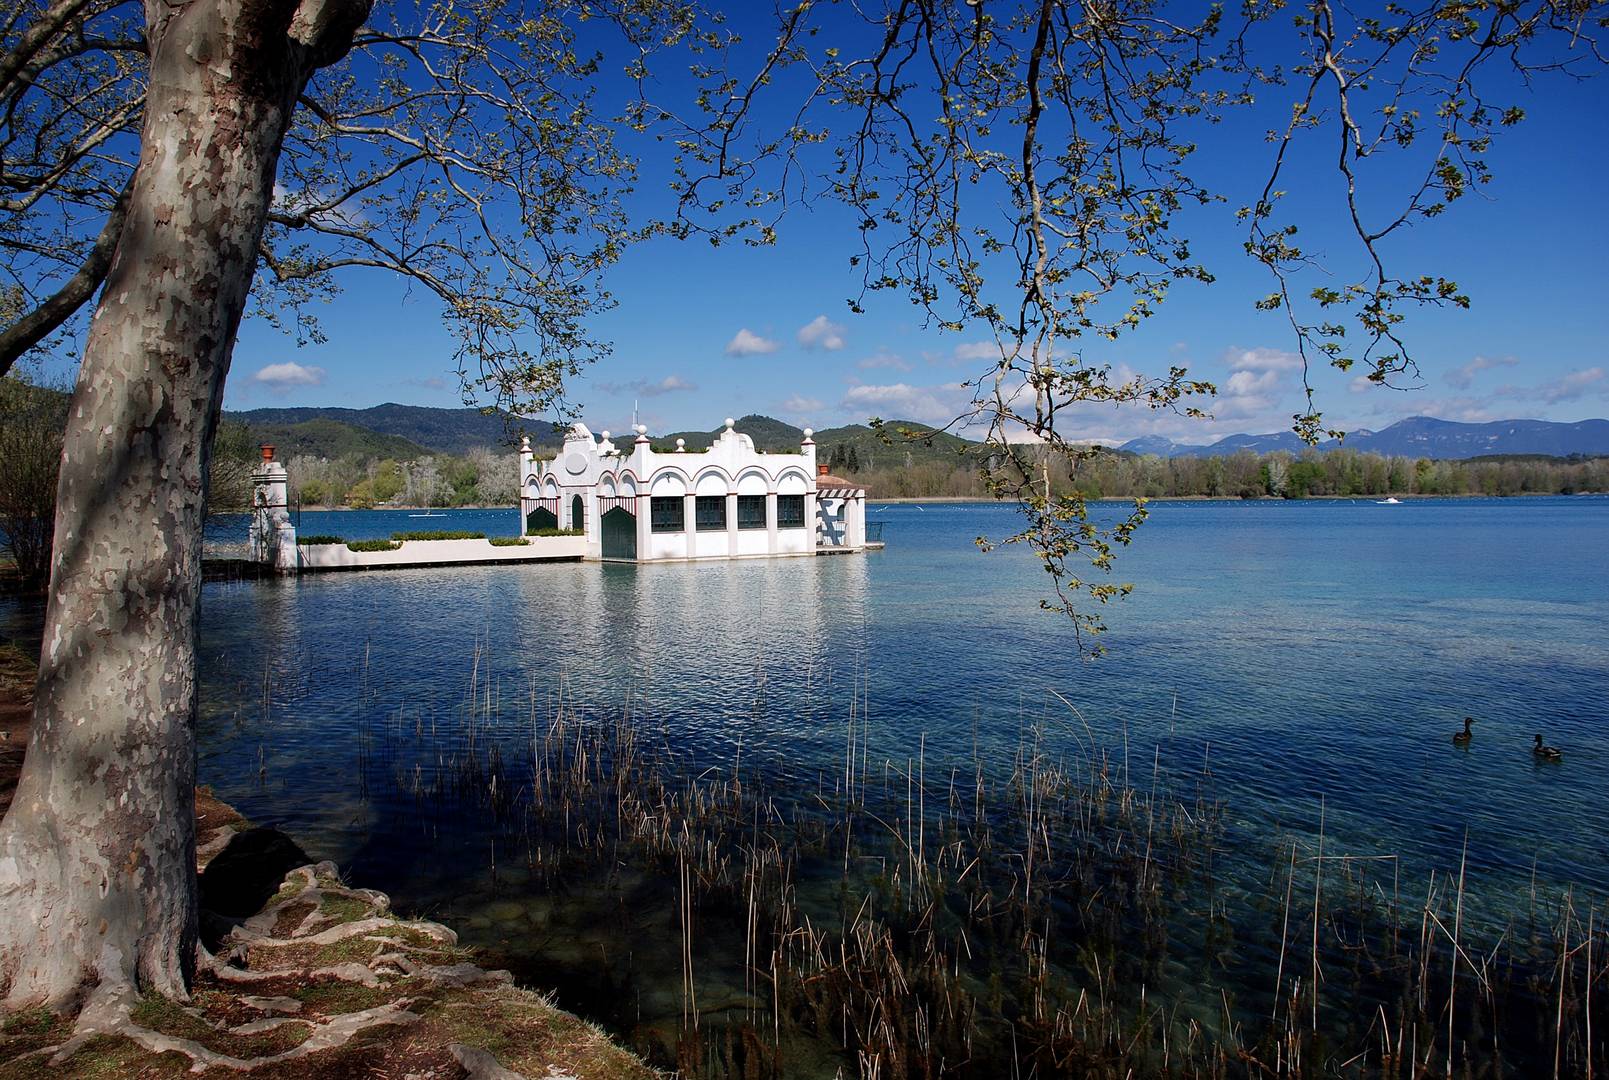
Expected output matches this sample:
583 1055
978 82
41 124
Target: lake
1291 672
1299 650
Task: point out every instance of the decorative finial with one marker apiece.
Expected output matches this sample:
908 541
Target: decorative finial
730 423
681 446
642 429
605 436
808 433
525 444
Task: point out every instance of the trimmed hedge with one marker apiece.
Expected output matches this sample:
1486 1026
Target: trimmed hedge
555 532
372 545
439 534
319 540
509 541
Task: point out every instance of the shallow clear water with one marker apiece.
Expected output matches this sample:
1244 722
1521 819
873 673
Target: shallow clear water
1298 652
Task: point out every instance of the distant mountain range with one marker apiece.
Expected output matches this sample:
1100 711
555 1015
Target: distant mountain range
1417 436
403 431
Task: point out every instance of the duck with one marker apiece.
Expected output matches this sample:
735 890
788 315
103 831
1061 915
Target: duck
1462 737
1544 752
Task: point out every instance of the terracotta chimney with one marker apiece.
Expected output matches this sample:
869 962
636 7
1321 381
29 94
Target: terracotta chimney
268 451
821 470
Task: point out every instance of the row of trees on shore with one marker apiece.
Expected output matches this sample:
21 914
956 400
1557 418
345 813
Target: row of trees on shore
485 477
1314 474
482 477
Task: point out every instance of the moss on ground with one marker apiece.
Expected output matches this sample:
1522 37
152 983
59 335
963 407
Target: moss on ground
290 918
332 997
26 1031
170 1018
105 1057
344 908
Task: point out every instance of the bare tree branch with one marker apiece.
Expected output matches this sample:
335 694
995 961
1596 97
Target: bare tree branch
38 324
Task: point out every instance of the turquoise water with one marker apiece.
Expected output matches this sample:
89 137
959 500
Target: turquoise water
1296 652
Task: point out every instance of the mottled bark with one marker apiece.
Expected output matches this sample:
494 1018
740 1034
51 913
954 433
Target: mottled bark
97 853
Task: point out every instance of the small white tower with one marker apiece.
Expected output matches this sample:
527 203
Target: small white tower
272 537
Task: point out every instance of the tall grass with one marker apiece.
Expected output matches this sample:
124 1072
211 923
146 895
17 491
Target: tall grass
1042 915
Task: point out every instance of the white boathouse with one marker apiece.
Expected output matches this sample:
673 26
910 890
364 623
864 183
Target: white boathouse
635 504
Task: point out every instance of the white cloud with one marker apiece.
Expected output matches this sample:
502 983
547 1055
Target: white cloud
798 404
977 350
670 384
901 401
747 343
1464 376
289 374
1261 360
819 333
1247 383
1022 436
1257 381
1465 410
1361 384
884 360
1570 387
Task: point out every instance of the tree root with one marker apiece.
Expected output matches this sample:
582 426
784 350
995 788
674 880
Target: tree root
336 914
481 1065
327 1036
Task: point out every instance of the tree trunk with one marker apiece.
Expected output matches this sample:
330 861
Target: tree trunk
97 853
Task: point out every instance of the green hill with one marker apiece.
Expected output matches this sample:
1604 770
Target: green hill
330 439
907 444
771 435
870 448
442 431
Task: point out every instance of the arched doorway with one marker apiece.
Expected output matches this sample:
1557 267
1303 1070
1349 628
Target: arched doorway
540 518
619 534
578 514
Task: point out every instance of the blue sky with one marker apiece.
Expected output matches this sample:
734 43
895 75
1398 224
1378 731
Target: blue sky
701 333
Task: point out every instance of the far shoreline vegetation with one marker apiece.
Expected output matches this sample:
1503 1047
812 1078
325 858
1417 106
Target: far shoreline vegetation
336 465
485 480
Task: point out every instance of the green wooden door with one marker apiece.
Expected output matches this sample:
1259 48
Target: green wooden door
619 534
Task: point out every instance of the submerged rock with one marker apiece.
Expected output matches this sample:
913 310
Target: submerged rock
242 877
504 911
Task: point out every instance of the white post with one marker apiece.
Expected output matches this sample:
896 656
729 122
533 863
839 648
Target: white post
808 449
771 522
855 521
731 524
690 522
639 468
526 459
272 537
